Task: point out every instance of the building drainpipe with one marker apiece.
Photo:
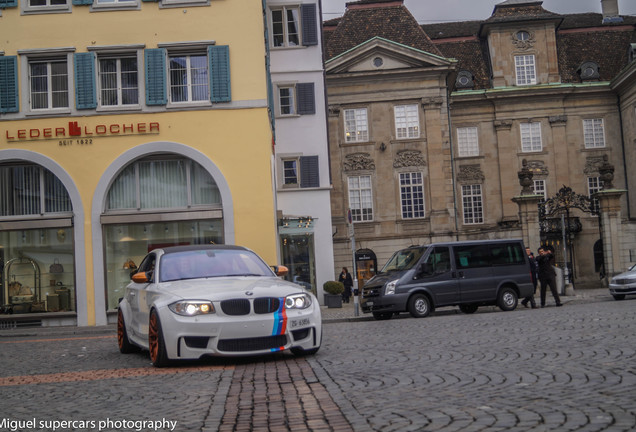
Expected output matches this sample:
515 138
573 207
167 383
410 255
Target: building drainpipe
452 154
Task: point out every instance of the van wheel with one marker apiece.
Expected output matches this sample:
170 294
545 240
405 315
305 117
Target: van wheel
507 299
419 306
468 308
382 316
618 296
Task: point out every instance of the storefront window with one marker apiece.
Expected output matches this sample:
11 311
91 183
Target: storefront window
37 271
298 257
127 244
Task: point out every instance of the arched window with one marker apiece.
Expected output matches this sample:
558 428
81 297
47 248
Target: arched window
27 189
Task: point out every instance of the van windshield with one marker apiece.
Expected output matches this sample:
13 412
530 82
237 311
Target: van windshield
404 259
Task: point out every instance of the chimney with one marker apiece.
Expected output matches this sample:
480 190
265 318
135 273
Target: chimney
610 12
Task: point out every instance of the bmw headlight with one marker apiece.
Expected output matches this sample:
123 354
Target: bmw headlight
298 301
390 287
192 307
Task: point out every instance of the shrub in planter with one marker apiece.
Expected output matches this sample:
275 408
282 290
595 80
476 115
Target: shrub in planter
333 287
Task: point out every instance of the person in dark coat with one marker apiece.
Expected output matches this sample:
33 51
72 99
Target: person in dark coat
533 274
347 281
547 275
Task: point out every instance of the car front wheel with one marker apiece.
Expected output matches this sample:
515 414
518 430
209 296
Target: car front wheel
156 345
419 306
507 299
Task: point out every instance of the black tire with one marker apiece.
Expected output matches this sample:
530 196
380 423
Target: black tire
618 296
382 316
419 306
156 344
508 299
468 308
125 347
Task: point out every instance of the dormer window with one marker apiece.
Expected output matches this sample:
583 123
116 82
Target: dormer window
464 80
589 71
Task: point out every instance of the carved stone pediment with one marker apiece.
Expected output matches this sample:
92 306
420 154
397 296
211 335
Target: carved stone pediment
592 164
538 168
358 162
523 44
409 158
470 173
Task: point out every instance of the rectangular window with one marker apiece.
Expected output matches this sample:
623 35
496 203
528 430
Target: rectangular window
286 101
45 4
48 81
594 184
117 2
285 26
407 121
525 70
472 204
539 188
361 198
593 133
531 137
356 127
467 141
301 172
290 172
188 78
119 81
412 195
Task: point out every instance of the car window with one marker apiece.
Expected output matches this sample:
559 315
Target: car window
471 256
507 254
437 262
404 259
209 263
148 266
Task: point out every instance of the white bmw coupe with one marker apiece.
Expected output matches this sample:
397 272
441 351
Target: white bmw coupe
186 302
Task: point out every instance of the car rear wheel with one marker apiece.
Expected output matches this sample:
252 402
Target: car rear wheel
419 306
125 347
156 345
618 296
468 308
507 299
382 316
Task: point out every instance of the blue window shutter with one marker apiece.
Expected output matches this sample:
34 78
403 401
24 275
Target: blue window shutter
309 173
306 98
8 3
156 93
9 84
220 87
310 26
85 89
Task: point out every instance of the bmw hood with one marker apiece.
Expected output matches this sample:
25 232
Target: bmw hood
217 289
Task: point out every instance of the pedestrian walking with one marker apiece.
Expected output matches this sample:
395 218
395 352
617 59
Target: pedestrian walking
547 275
347 281
533 274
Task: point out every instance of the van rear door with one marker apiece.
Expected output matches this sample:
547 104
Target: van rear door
474 272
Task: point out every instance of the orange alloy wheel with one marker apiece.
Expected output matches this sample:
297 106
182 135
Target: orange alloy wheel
120 329
153 337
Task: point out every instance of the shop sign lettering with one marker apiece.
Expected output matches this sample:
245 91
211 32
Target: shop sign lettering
75 132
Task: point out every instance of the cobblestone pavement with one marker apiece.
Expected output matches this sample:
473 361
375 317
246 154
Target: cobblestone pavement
552 369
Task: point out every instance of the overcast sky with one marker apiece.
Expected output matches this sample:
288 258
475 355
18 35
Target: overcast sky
435 11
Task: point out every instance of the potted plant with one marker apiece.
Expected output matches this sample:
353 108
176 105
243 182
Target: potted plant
333 293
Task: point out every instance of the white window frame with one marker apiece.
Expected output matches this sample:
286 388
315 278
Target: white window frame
285 24
356 125
525 70
188 55
361 198
594 133
49 84
292 104
538 186
531 137
407 121
594 184
115 4
472 204
28 9
120 105
296 162
467 141
412 201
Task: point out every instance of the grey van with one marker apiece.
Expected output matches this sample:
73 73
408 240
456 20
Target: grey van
467 274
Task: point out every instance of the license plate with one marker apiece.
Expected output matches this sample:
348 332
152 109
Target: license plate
369 303
303 322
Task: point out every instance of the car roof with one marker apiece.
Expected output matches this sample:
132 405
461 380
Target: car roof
186 248
467 242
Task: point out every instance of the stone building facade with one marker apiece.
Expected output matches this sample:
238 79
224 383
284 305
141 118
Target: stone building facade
430 125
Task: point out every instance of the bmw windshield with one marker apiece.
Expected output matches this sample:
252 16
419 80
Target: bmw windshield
404 259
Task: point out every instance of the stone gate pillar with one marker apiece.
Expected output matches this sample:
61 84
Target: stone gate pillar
611 230
528 203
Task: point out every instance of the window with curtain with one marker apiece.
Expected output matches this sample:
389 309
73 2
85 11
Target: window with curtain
189 80
118 80
361 198
407 121
31 190
163 184
49 84
467 141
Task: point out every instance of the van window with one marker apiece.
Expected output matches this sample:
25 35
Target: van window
507 254
404 259
437 262
471 256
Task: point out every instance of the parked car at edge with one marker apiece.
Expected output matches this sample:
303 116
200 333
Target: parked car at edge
623 284
186 302
469 274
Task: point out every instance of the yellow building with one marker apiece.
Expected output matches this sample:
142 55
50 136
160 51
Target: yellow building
126 125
